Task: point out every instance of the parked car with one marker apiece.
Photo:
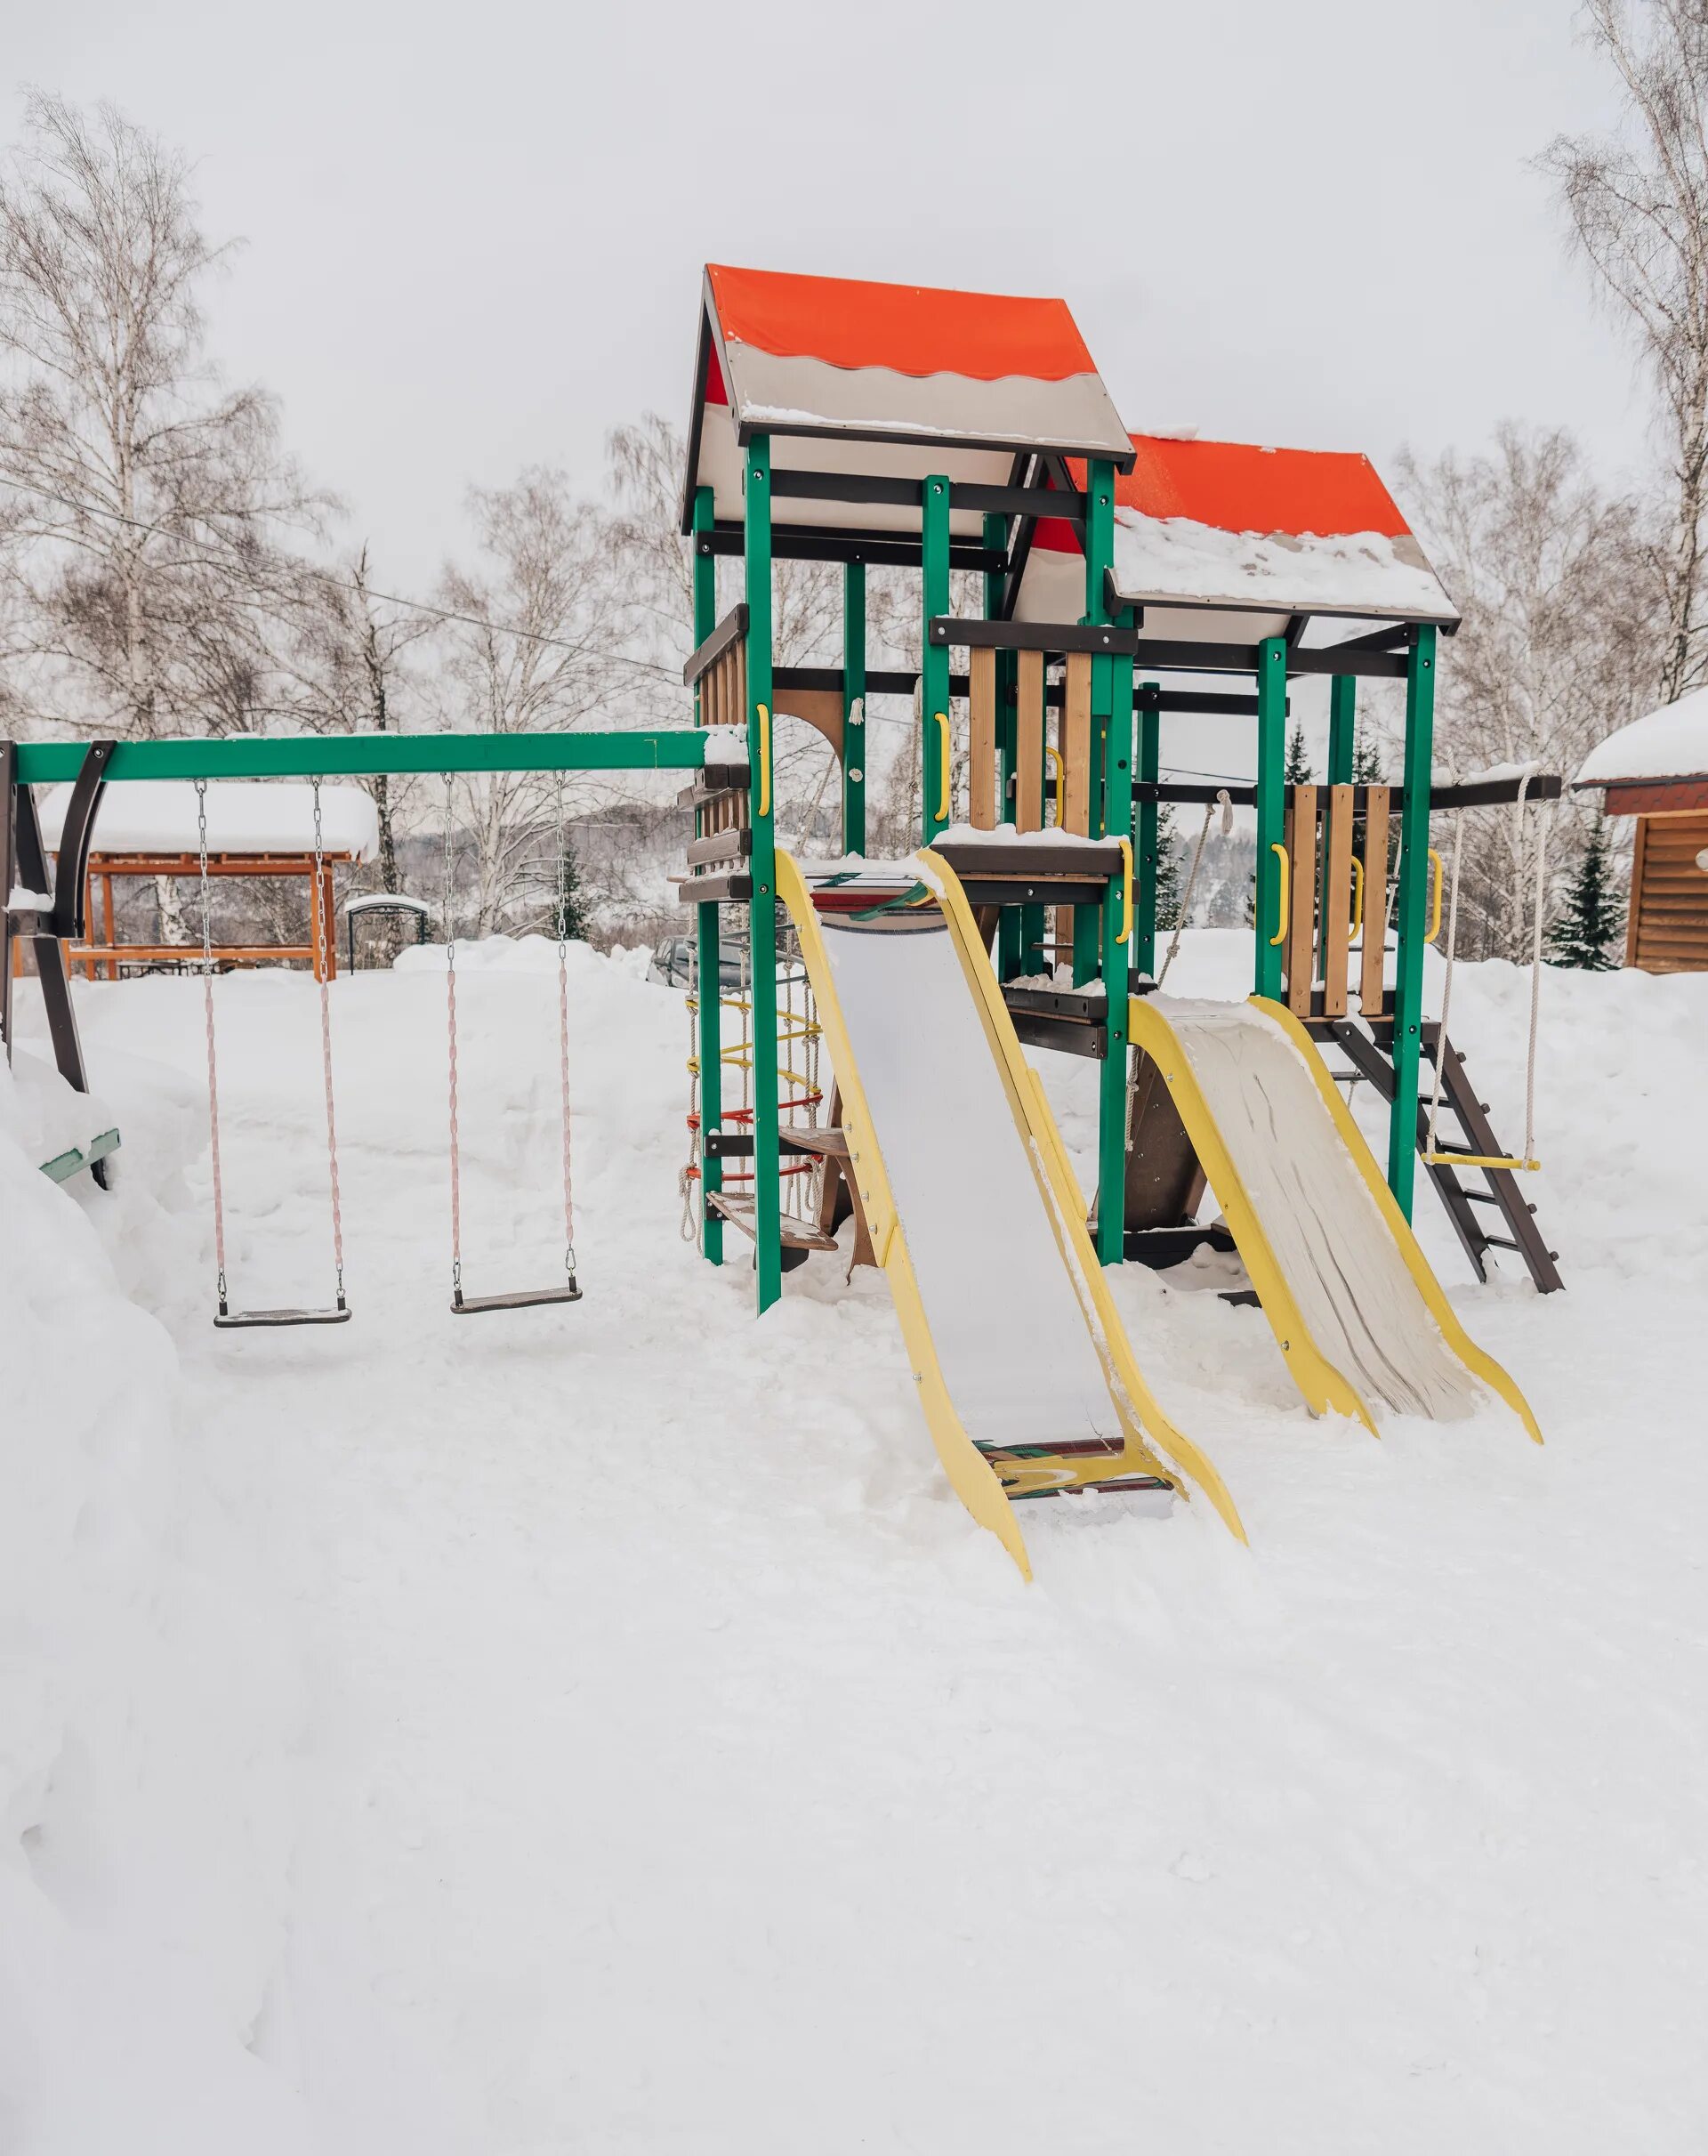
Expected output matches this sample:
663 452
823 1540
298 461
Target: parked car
672 965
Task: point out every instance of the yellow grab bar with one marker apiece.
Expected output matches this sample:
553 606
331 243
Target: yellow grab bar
1435 907
1514 1167
1280 852
1357 896
1126 891
943 805
763 804
1054 755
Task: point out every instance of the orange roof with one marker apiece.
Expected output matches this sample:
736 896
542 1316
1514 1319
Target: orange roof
908 328
1239 485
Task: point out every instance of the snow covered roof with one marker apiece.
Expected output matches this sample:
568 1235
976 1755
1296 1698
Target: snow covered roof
244 816
1670 743
1224 541
897 381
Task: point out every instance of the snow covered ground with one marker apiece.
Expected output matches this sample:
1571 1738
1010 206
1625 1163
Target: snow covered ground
601 1729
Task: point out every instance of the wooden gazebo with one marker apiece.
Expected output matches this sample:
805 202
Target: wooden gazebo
255 830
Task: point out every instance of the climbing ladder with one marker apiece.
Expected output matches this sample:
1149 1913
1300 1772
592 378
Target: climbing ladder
1473 1196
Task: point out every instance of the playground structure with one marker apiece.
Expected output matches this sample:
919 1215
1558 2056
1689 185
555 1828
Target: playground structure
877 425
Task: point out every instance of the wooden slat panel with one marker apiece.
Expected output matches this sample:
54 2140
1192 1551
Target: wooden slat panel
1337 901
1076 743
1028 743
982 804
1300 951
1637 861
1375 900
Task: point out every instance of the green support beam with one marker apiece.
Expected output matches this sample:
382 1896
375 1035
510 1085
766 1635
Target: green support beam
935 762
1410 911
1272 811
366 755
1342 726
854 707
767 1247
1110 927
708 929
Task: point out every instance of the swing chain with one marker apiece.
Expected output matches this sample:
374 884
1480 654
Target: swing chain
563 1034
207 894
323 967
450 1020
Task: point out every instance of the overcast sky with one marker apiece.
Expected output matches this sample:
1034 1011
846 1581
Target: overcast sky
474 233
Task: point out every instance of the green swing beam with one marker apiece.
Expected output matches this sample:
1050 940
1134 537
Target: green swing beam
368 755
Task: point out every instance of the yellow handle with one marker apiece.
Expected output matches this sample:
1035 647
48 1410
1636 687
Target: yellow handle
764 804
1126 891
1435 908
1054 755
1357 895
1505 1160
942 806
1280 852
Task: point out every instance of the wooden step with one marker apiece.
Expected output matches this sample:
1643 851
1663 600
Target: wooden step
819 1138
794 1234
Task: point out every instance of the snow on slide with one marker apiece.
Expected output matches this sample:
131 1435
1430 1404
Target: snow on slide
1008 1328
1325 1247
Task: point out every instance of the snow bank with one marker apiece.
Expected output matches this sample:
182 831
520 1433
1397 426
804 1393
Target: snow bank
144 1694
1670 743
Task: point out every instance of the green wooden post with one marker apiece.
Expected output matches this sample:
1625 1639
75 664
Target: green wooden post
934 759
1101 947
854 707
1411 907
768 1251
1145 817
1342 722
1271 808
708 929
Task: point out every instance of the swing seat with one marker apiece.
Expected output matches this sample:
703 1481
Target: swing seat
525 1298
235 1320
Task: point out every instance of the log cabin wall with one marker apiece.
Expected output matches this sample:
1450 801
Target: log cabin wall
1667 924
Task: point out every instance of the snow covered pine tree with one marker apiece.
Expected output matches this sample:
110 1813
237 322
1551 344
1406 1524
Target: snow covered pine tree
1588 928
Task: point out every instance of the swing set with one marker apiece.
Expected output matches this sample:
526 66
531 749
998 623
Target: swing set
51 927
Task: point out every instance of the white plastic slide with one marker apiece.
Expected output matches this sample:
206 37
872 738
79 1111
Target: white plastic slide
1025 1375
1359 1315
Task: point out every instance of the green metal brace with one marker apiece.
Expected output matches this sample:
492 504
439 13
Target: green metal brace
1111 812
934 757
756 525
1410 913
854 707
708 927
1271 809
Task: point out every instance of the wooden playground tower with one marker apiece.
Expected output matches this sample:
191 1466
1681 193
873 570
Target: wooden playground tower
882 425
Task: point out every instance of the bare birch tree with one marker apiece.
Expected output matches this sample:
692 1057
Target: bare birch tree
1562 614
1638 202
535 656
145 498
148 497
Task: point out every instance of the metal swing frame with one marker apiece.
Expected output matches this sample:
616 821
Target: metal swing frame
90 767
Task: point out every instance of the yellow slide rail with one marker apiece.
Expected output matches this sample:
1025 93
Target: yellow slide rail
1323 1386
973 1478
